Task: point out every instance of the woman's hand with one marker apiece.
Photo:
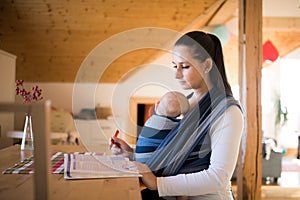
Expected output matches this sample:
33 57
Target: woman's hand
120 147
148 178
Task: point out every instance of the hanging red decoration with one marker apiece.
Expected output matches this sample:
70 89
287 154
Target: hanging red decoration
270 53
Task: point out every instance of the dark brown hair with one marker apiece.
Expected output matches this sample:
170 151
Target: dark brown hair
205 46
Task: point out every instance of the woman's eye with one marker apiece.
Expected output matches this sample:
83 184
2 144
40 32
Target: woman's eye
185 67
182 67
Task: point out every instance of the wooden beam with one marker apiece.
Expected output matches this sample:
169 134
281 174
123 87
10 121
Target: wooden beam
250 62
226 12
204 19
288 24
42 164
199 22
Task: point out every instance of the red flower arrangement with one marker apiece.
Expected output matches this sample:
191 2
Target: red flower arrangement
28 96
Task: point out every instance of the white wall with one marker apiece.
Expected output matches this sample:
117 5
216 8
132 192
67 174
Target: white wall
146 81
290 96
155 79
282 78
7 94
270 92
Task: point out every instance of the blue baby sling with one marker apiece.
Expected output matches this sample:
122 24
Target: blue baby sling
187 148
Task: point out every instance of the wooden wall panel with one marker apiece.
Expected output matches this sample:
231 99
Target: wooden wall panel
284 41
250 61
127 62
230 51
58 34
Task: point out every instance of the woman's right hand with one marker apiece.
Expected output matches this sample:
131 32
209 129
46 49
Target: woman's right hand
148 178
120 147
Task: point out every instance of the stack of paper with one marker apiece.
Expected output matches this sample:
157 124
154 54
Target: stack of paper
84 166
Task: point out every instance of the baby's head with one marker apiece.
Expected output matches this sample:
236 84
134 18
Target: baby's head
172 104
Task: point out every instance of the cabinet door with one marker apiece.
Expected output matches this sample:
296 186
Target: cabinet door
7 94
108 127
91 134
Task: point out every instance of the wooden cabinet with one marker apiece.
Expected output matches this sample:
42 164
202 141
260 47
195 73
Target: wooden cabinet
7 94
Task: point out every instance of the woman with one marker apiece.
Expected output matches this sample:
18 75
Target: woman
198 156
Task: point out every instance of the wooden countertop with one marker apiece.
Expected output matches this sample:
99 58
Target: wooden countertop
20 186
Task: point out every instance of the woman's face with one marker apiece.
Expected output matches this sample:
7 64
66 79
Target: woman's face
189 70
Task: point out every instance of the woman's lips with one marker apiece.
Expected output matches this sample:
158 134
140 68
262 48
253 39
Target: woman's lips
182 82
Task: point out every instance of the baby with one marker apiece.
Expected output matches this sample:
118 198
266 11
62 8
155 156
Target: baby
166 116
164 119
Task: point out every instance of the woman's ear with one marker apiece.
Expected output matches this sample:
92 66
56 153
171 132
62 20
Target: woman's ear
207 65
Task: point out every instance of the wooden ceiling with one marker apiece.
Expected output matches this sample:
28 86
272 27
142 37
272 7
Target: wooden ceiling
51 38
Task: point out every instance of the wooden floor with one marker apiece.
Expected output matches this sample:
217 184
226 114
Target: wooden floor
286 188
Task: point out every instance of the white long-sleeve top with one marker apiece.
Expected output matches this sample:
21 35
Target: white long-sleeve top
213 183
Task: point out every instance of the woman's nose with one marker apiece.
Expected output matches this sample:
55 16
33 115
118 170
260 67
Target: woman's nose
178 73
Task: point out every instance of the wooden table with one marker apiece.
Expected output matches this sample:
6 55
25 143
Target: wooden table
19 186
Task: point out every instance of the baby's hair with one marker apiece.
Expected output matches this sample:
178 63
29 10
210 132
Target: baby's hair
172 104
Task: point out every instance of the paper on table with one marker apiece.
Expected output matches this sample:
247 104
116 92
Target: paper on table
82 166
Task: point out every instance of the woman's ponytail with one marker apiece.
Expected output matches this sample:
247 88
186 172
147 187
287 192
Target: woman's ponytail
217 56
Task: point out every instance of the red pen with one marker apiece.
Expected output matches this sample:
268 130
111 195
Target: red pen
115 135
